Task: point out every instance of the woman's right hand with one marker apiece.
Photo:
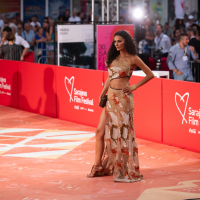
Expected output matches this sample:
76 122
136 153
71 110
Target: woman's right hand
99 100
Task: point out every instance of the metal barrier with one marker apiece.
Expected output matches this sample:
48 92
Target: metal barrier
44 52
195 67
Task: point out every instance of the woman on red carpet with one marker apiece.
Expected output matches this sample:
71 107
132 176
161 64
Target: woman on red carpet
116 150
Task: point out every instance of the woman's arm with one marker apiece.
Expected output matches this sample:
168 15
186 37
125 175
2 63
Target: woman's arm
105 88
149 75
48 36
145 69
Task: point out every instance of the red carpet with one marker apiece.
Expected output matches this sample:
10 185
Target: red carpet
43 158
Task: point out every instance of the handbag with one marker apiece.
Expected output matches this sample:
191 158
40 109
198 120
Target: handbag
103 101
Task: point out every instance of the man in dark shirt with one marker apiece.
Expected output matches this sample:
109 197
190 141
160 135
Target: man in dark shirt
193 41
66 16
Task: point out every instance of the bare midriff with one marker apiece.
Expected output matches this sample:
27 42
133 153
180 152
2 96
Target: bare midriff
119 83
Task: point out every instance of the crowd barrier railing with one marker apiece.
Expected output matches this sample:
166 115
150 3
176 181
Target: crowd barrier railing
195 67
166 111
44 52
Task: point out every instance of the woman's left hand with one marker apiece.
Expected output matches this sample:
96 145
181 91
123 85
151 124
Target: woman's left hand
127 90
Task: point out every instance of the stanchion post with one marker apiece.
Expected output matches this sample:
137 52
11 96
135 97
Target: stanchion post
54 43
94 23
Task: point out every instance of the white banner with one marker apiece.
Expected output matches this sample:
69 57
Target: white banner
76 45
179 6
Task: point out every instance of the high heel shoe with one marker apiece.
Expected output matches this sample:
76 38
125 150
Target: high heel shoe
95 171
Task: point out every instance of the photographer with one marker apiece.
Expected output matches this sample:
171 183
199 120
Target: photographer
179 59
162 41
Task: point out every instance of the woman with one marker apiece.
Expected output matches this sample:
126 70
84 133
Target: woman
11 51
41 43
116 125
50 38
179 23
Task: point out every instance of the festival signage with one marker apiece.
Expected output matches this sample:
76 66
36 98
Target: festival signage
8 83
11 8
157 11
78 92
76 46
57 8
33 7
105 35
181 114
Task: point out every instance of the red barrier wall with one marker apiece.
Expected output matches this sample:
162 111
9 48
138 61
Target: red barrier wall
147 112
74 86
181 114
8 83
29 57
37 88
165 110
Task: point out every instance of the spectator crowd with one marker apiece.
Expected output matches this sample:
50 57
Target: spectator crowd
33 32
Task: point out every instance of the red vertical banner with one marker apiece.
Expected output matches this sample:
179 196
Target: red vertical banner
181 114
78 92
8 83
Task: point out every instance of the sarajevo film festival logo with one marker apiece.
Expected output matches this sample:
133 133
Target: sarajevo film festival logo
184 101
69 85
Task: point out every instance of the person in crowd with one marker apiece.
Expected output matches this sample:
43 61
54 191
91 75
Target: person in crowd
18 40
167 30
40 40
193 41
51 22
34 29
35 21
2 21
179 23
177 36
179 59
162 40
50 37
29 36
11 51
198 35
20 28
6 24
46 19
182 29
190 22
60 18
74 18
45 27
66 16
149 35
121 20
29 21
143 49
81 16
195 26
13 25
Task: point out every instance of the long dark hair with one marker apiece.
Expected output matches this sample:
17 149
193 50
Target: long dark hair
130 46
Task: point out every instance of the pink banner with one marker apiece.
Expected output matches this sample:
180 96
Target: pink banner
105 35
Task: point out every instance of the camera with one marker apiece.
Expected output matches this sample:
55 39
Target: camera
157 55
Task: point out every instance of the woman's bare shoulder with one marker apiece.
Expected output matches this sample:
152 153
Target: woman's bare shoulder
134 59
